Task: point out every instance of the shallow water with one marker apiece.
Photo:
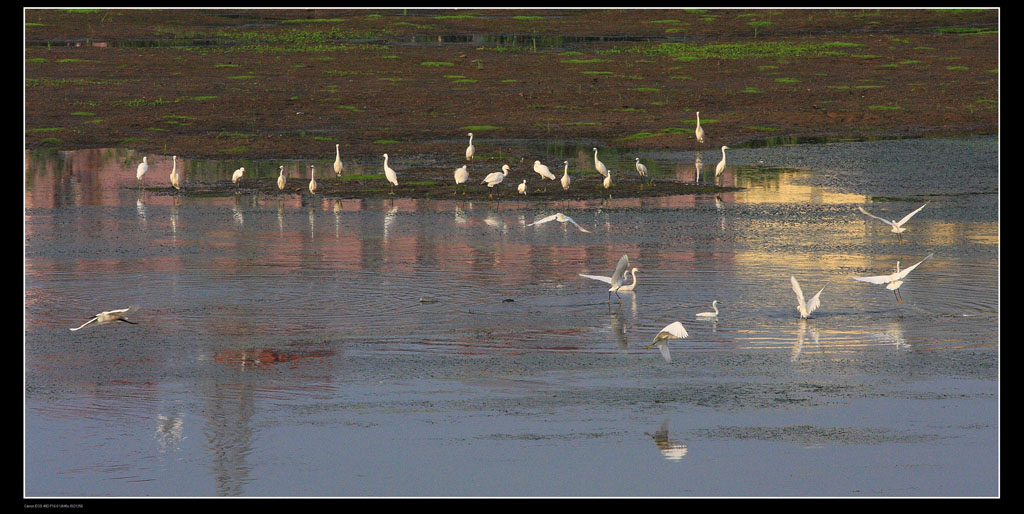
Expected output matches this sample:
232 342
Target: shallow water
291 346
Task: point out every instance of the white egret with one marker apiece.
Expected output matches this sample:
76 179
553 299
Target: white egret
141 170
470 150
107 317
607 182
175 178
237 175
561 218
673 331
615 281
809 306
565 177
628 288
461 176
543 171
495 178
640 168
897 226
281 179
599 166
714 305
522 187
312 180
338 166
721 164
699 131
893 281
390 174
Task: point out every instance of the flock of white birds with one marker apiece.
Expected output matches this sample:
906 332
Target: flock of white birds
617 281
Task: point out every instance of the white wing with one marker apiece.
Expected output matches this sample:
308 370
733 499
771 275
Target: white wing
83 325
674 330
570 220
620 270
815 300
665 354
796 289
606 280
907 271
543 220
911 215
877 279
883 220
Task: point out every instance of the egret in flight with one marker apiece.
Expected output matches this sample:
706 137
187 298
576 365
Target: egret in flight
561 218
699 131
470 150
599 166
708 315
673 331
338 166
175 178
312 180
281 179
893 281
721 164
107 317
809 306
141 170
390 174
897 226
237 175
615 281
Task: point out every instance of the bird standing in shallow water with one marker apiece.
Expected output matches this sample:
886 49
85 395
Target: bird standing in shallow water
615 281
338 166
721 164
390 174
141 170
461 176
281 179
699 131
237 175
806 308
640 168
495 178
175 178
714 305
312 180
470 150
599 166
522 187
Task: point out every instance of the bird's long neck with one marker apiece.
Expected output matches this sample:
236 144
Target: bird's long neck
698 118
471 139
337 150
714 305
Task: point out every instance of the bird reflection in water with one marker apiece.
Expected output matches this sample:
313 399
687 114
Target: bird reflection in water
170 431
801 332
672 450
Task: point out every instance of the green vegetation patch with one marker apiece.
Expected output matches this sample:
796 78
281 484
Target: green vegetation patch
83 113
751 50
584 61
436 63
385 142
480 128
885 107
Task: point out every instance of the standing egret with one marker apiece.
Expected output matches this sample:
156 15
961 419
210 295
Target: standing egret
640 168
390 174
281 179
470 150
141 170
543 171
628 288
599 166
107 317
312 180
561 218
897 226
522 187
806 308
338 166
237 175
495 178
708 315
565 177
673 331
721 164
894 281
461 176
615 281
699 131
175 178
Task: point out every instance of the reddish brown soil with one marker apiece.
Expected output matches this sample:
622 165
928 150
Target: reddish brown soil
270 87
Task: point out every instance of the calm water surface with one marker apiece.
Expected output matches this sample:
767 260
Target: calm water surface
297 346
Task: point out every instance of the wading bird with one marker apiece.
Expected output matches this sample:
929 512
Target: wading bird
237 175
599 166
281 179
107 317
714 305
175 178
699 131
543 171
390 174
312 180
806 308
565 177
673 331
470 150
559 217
628 288
721 164
338 166
495 178
522 187
640 168
141 170
897 226
893 281
615 281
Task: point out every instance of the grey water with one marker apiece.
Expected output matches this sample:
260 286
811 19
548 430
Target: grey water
310 347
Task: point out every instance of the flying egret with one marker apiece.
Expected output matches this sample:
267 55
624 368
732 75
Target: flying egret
699 131
599 166
897 226
312 180
390 174
721 164
175 178
561 218
470 150
714 305
628 288
673 331
522 187
615 281
338 166
141 170
543 171
107 317
806 308
237 175
640 168
893 281
281 179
